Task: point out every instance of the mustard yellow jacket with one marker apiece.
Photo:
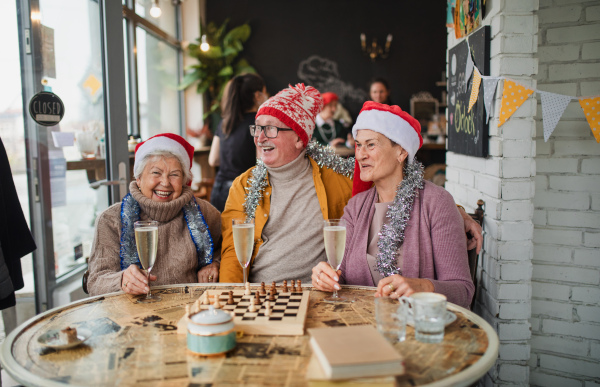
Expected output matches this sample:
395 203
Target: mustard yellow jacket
333 191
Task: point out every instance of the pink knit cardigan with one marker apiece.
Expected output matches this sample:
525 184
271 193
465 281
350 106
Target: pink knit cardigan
435 245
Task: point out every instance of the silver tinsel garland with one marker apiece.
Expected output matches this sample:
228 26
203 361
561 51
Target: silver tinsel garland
323 156
392 233
254 193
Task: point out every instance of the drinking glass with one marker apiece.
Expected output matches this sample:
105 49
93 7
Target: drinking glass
334 234
429 312
243 241
146 240
390 316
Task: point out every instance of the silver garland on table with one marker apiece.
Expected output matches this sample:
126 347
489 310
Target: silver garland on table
323 156
254 193
392 233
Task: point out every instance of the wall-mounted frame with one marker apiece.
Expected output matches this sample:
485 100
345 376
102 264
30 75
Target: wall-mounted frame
424 107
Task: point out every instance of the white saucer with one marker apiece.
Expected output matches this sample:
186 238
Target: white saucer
52 339
449 318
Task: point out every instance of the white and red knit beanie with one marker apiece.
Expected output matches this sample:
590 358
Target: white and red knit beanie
392 122
168 142
297 107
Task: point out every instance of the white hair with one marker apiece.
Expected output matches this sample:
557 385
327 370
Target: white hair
141 165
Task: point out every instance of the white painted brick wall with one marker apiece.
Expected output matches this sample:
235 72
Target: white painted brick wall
505 181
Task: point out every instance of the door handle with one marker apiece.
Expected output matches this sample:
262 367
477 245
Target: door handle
122 182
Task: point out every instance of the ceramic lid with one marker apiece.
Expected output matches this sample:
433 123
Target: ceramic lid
211 316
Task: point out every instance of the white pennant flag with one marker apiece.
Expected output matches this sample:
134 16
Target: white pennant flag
489 89
470 65
553 107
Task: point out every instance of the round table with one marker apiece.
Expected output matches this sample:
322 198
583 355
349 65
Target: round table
134 343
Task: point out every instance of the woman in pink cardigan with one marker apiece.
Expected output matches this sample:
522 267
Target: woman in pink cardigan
403 235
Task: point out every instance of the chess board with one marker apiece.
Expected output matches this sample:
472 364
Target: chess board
288 312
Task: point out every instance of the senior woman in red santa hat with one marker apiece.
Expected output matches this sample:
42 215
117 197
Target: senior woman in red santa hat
189 231
403 234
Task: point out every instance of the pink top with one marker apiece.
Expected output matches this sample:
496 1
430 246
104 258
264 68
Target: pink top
435 245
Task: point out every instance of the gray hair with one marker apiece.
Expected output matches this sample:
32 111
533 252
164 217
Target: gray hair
141 165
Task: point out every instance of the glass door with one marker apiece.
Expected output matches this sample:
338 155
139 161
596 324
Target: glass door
74 166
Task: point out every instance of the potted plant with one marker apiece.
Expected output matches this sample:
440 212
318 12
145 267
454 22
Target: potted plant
218 54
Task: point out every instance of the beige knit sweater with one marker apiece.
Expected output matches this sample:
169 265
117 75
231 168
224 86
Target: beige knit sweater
176 259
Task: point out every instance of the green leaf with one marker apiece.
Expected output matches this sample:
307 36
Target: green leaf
237 35
189 79
226 71
230 51
214 52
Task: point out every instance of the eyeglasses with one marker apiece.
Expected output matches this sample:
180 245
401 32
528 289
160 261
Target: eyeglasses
270 131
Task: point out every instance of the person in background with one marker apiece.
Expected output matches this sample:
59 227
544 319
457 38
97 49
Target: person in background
379 91
327 130
233 149
404 234
189 231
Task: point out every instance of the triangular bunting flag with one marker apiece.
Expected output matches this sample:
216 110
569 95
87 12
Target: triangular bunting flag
489 89
591 109
513 97
553 107
470 65
475 88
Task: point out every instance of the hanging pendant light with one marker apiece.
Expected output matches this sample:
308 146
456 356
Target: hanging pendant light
155 11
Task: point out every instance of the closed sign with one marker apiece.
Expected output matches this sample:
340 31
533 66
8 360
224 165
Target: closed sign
46 108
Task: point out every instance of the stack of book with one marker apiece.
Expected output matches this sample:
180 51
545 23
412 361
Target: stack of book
352 352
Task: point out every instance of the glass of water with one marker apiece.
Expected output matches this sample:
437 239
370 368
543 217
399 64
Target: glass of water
390 316
429 312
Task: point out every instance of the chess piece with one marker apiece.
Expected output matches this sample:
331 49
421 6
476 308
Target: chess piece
206 300
252 307
285 288
196 306
274 287
217 303
271 296
263 291
293 286
257 298
247 291
299 285
187 312
267 308
230 299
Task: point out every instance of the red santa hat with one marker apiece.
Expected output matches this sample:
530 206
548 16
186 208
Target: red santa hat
394 123
168 142
329 97
297 107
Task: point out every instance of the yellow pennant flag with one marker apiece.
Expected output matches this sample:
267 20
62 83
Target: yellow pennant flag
513 97
591 109
475 88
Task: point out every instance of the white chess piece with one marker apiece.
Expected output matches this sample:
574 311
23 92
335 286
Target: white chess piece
252 306
216 304
247 291
267 308
206 300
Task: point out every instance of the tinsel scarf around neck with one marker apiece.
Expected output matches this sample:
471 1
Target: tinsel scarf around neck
391 235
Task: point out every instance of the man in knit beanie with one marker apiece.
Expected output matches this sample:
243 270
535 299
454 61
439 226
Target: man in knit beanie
288 193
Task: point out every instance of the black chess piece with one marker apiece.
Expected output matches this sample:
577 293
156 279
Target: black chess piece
230 299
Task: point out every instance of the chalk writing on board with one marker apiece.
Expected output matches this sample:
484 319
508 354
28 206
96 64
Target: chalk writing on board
323 74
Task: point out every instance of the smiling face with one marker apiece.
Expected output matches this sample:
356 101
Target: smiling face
378 158
379 93
162 179
278 151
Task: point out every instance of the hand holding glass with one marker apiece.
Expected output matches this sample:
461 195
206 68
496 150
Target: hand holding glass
146 240
243 242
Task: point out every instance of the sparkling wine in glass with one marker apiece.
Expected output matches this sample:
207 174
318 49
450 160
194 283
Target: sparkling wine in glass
334 234
243 241
146 240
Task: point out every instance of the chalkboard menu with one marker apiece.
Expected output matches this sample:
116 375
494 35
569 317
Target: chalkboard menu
467 131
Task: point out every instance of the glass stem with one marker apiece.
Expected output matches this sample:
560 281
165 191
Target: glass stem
245 274
334 295
149 295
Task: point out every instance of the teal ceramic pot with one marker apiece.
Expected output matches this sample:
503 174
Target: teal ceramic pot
210 332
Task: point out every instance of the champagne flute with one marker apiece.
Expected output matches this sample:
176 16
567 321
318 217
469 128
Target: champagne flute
243 241
146 240
334 234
